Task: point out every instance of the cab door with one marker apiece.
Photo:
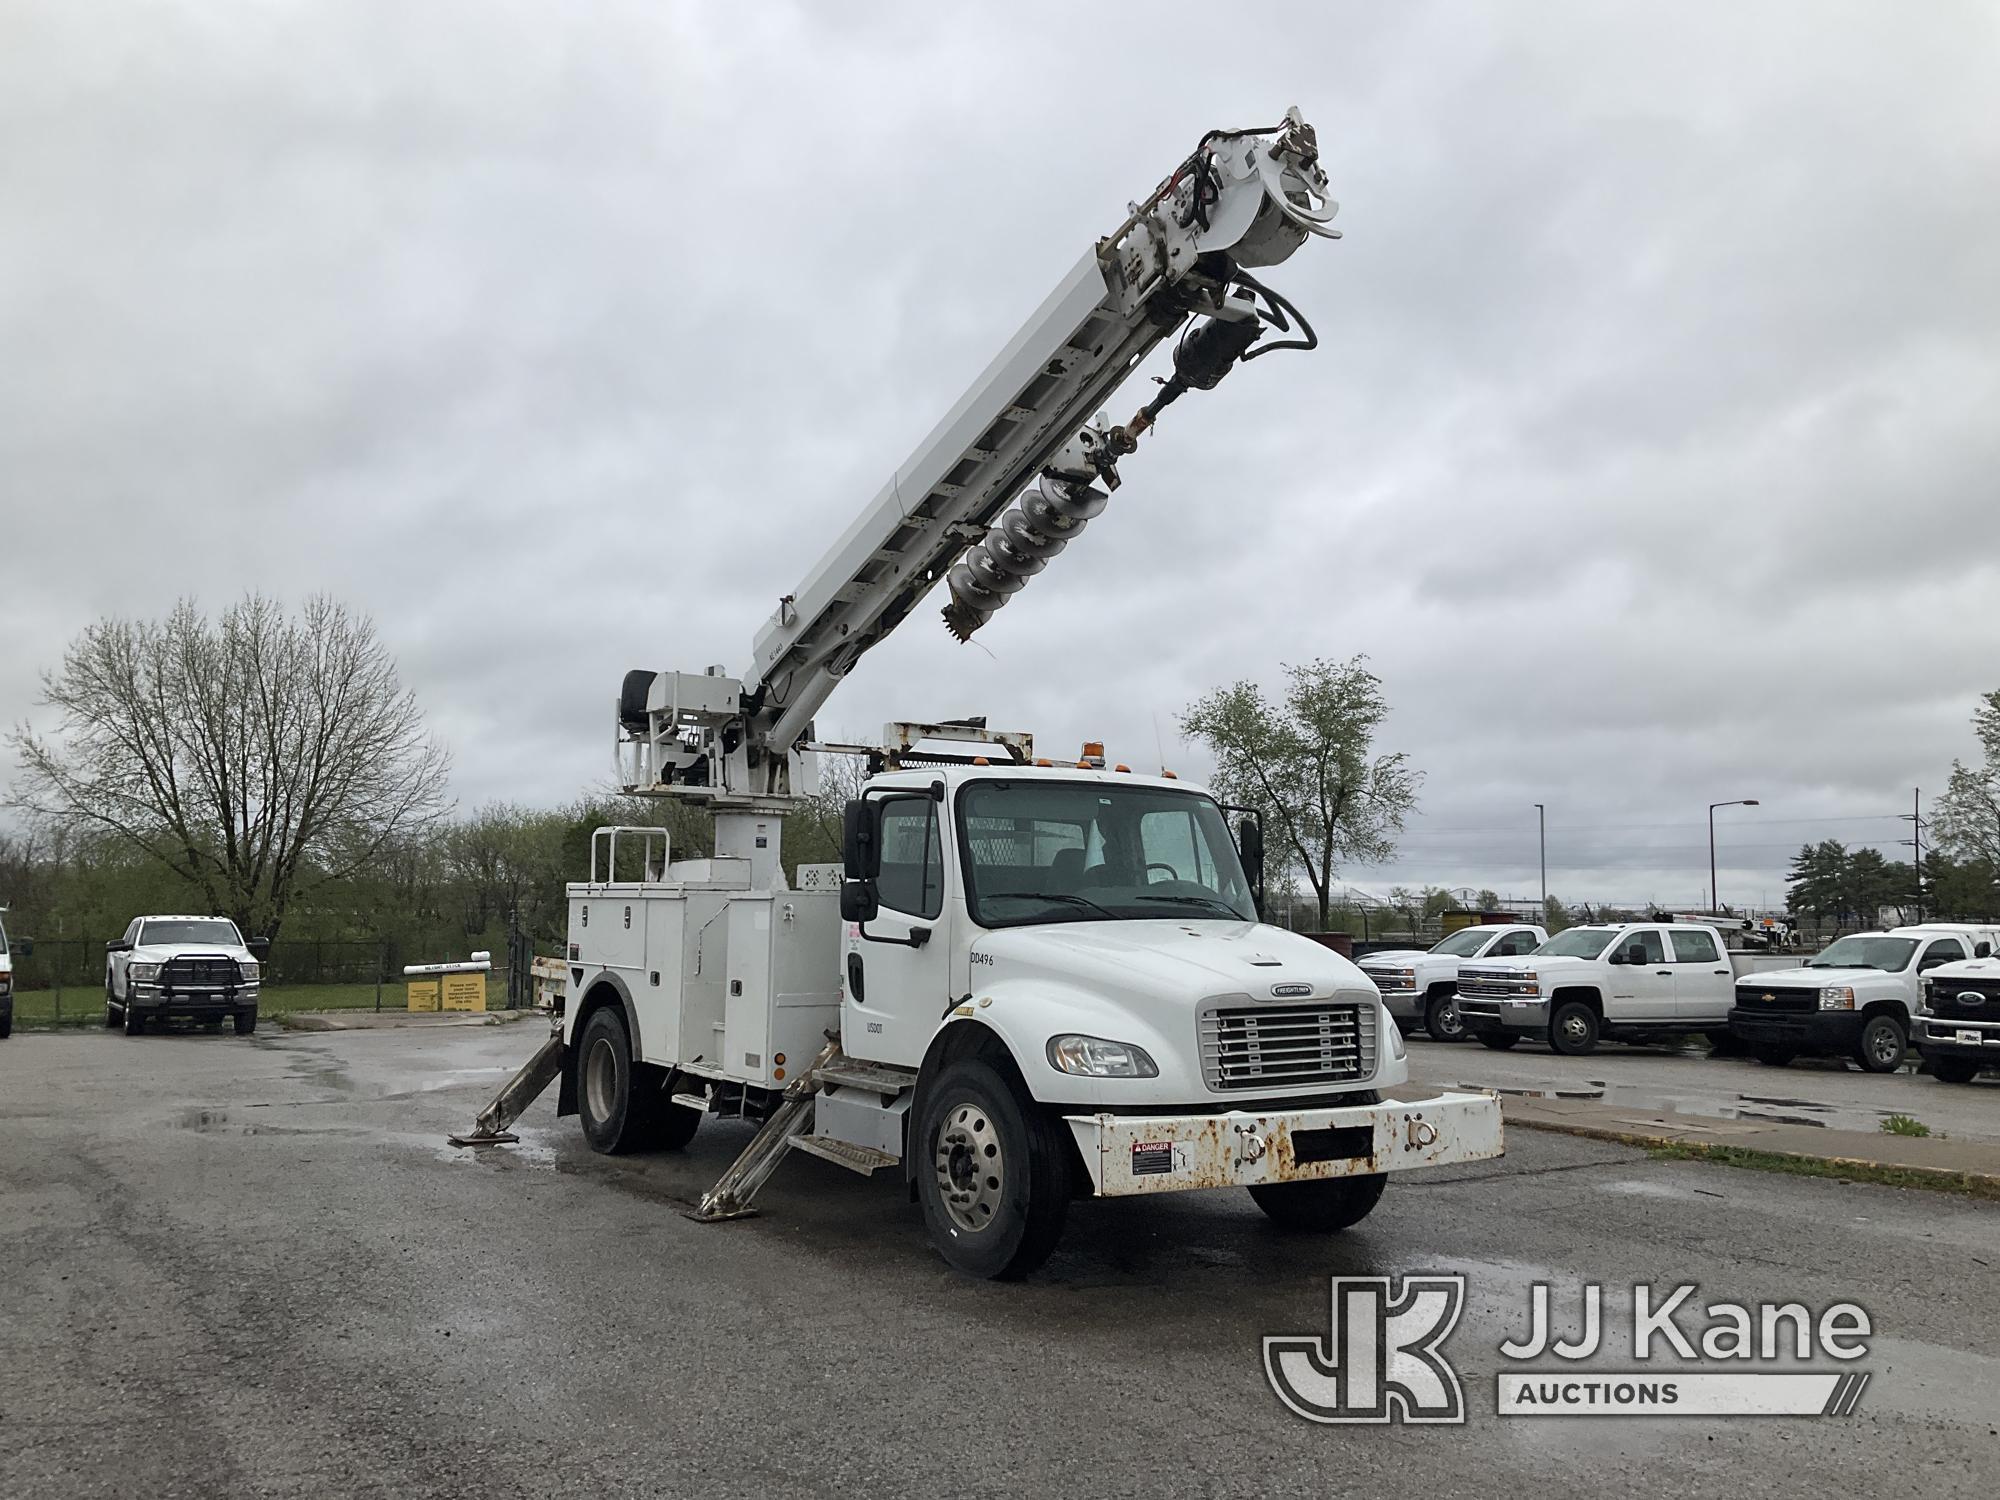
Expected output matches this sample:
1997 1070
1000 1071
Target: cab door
1704 983
1643 989
895 984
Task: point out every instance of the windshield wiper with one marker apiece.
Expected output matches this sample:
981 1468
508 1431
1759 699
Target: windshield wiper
1208 901
1063 898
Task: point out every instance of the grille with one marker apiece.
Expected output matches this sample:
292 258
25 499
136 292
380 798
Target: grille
1276 1046
1489 986
1781 997
198 972
1945 999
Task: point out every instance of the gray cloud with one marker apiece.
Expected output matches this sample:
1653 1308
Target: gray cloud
1648 457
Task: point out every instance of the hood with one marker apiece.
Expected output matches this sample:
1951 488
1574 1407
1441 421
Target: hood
159 953
1187 960
1543 963
1842 975
1401 958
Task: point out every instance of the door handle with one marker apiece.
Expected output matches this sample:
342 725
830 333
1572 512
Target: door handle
1664 973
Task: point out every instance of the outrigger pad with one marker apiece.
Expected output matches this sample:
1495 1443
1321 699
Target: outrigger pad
497 1138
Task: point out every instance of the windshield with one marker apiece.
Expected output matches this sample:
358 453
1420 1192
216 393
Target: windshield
1889 954
1086 851
213 930
1465 942
1578 942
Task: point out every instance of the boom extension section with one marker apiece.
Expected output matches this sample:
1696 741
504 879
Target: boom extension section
1014 472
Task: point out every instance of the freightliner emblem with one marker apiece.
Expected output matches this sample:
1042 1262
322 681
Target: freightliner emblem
1289 991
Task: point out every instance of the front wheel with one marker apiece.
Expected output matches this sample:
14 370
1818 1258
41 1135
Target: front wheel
1573 1029
1323 1207
1774 1057
1882 1045
1954 1069
993 1172
246 1022
134 1023
1499 1041
1442 1020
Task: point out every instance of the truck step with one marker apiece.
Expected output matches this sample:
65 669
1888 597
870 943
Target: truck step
876 1078
696 1102
862 1159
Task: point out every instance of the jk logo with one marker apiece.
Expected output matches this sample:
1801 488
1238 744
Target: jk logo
1382 1363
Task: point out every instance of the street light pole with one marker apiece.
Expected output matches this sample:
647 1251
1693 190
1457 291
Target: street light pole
1714 905
1542 829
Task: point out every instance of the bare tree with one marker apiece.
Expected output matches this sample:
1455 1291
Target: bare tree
256 755
1308 764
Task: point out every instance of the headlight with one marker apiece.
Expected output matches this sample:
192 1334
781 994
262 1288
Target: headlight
1093 1057
6 984
143 971
1836 997
249 968
1409 974
1396 1047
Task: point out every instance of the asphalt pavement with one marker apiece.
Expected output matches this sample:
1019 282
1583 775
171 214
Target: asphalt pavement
254 1267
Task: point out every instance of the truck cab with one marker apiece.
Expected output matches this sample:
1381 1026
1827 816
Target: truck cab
1628 981
1420 985
1041 982
1858 998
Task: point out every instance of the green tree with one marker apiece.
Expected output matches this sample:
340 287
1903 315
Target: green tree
1818 881
1308 763
1555 916
1961 889
1967 816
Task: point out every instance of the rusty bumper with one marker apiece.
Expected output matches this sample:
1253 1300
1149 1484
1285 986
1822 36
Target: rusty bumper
1128 1154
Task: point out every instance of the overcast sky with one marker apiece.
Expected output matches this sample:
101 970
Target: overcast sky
1649 454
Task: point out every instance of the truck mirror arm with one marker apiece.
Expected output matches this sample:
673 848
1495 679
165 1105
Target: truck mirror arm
918 937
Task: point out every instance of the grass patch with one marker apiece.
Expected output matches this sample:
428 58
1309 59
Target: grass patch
81 1007
1904 1125
1964 1184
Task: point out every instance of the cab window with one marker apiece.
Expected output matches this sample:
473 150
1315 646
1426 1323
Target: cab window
1695 948
912 878
1654 950
1943 951
1514 944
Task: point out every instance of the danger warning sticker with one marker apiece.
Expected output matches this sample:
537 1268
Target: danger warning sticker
1150 1158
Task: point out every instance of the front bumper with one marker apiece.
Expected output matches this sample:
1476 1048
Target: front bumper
1950 1037
201 1003
1805 1030
1130 1154
1404 1005
1490 1016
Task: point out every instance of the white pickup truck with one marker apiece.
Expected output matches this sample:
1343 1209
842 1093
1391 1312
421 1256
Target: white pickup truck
197 967
1616 983
1859 998
1958 1029
7 981
1420 985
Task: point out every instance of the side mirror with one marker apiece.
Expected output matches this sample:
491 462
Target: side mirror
858 902
1250 846
118 945
1979 950
860 850
260 948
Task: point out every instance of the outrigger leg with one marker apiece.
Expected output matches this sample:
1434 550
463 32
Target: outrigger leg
541 1070
731 1195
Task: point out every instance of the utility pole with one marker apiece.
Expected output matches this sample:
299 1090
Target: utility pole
1542 828
1916 843
1715 906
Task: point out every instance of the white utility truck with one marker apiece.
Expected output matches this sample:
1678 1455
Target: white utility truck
1420 985
1858 998
1622 982
1031 980
7 979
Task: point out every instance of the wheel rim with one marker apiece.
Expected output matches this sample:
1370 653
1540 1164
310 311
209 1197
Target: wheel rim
1448 1020
1886 1047
1575 1027
971 1173
600 1078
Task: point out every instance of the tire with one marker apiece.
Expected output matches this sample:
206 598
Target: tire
1723 1043
6 1026
1883 1045
1573 1029
246 1022
1954 1069
110 1003
1499 1041
1324 1207
992 1170
1774 1057
672 1125
1442 1020
134 1022
604 1099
